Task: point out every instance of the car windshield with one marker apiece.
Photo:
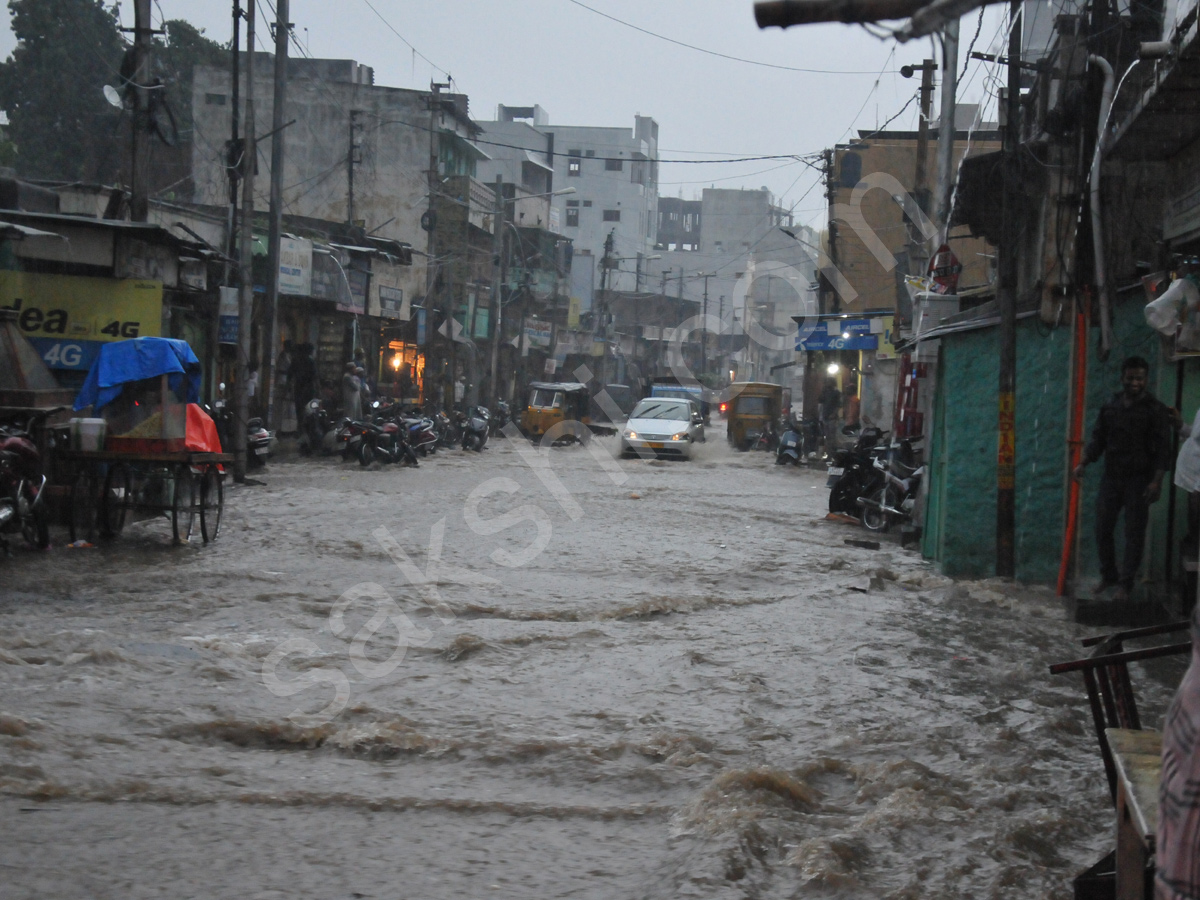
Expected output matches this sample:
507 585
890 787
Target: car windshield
662 409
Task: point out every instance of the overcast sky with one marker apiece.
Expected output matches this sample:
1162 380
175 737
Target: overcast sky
585 69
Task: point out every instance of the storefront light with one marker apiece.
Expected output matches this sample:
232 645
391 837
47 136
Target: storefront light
833 369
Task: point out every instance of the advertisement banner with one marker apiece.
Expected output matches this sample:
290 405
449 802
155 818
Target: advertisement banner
68 317
537 334
295 266
574 306
228 313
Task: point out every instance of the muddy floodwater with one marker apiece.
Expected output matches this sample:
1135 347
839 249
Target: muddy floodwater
529 676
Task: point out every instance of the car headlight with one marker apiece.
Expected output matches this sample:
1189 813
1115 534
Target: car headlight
631 434
681 436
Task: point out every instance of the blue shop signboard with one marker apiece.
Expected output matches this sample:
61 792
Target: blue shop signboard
838 334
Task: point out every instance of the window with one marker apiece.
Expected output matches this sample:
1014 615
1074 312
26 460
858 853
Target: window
573 217
612 215
572 203
614 165
591 154
574 163
587 203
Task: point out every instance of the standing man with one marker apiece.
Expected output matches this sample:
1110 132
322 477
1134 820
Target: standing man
830 404
1133 434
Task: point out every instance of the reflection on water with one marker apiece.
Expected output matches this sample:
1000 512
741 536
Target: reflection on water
698 689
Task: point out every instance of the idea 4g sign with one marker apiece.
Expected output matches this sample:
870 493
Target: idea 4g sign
67 318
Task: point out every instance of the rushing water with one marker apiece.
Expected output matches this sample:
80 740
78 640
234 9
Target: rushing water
660 680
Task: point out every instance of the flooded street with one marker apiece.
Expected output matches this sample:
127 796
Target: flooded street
537 676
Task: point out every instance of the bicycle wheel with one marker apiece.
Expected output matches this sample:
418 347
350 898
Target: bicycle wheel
115 500
184 503
212 502
83 507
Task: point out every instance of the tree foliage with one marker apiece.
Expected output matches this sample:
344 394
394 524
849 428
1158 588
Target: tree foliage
52 88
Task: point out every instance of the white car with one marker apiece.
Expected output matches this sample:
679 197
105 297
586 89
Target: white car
662 426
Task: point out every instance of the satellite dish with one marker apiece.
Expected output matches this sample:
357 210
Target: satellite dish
113 96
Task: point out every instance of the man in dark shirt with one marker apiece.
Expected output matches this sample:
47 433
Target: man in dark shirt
1133 434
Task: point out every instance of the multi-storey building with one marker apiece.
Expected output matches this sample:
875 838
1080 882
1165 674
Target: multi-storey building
614 173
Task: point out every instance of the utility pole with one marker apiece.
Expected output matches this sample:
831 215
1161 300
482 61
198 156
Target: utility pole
350 161
246 297
234 150
429 222
920 191
704 333
946 130
275 220
606 263
1006 455
497 287
139 193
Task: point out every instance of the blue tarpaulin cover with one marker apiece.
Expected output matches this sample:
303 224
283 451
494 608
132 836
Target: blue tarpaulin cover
133 360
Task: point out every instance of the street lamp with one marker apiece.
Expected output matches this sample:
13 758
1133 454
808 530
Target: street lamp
501 260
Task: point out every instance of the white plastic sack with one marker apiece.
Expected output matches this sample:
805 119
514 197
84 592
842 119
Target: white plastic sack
1164 313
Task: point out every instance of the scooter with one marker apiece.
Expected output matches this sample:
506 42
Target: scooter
258 438
475 426
791 445
258 443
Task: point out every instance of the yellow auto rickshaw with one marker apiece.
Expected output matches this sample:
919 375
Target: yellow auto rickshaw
561 408
753 407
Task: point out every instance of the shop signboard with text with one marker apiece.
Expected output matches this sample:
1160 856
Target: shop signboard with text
67 318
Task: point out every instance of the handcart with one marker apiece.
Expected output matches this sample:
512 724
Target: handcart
110 486
160 453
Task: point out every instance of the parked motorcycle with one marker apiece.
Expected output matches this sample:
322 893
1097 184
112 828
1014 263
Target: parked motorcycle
349 436
384 440
22 486
852 473
446 429
421 434
258 438
501 417
475 426
767 439
315 429
258 443
895 501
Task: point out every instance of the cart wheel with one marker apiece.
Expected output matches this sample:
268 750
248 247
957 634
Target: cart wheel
116 500
83 507
184 503
212 501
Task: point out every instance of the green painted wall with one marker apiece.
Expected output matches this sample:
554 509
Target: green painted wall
961 514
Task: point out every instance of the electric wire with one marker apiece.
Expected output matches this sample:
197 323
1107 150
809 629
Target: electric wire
752 62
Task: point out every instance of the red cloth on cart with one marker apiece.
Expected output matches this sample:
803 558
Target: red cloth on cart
201 431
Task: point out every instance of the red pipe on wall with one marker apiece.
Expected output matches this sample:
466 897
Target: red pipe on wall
1075 439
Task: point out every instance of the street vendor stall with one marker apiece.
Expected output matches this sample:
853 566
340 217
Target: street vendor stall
160 453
